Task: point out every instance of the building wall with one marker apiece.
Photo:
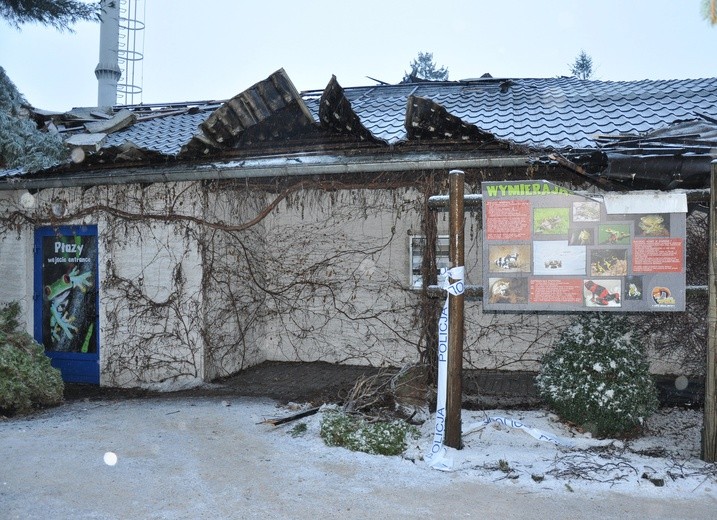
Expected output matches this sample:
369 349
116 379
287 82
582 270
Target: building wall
152 306
234 310
357 305
229 279
16 261
337 266
150 280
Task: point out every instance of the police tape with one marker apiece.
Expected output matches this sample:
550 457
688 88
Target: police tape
443 457
437 456
511 423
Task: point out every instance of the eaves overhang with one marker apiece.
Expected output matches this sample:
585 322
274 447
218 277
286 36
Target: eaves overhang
266 167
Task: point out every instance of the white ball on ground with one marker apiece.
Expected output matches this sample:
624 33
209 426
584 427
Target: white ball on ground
110 458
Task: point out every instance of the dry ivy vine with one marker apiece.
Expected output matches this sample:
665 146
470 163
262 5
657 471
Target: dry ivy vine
198 278
202 279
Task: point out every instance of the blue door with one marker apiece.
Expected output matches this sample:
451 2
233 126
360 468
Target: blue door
66 300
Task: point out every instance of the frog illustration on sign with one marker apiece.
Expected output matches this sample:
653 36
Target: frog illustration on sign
58 294
653 225
547 225
584 237
633 292
614 236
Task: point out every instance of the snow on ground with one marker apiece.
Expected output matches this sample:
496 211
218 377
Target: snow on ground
212 458
664 459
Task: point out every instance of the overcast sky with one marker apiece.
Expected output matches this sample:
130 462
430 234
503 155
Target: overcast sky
217 48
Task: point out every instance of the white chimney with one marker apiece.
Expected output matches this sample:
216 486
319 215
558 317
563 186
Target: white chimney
108 71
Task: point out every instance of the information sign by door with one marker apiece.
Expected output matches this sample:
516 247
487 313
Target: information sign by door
66 300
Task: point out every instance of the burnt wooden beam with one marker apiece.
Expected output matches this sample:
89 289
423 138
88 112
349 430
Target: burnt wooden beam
337 115
426 119
275 97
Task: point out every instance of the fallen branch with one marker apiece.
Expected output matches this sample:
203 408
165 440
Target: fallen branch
283 420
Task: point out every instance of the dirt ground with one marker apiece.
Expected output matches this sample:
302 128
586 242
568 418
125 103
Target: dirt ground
318 383
284 382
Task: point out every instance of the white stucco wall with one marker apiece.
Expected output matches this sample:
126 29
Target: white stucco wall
379 325
233 304
16 260
349 251
154 337
324 276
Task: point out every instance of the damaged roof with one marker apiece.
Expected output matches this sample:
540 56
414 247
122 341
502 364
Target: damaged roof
537 116
552 113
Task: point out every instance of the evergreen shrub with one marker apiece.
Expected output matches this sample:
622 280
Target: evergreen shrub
27 379
597 376
378 438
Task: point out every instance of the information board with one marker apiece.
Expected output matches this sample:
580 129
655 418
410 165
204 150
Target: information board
66 300
547 248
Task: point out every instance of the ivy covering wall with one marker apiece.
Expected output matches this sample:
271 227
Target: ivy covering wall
199 280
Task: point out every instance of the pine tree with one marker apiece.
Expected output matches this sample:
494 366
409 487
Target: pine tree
22 144
423 68
60 14
709 11
27 379
582 67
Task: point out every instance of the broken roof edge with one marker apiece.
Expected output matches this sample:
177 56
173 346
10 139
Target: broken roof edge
426 118
266 167
513 79
305 122
213 104
252 106
337 114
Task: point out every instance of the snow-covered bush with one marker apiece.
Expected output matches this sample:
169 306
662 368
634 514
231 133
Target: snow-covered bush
597 376
378 438
27 379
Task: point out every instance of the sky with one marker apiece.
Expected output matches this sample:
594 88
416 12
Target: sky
217 48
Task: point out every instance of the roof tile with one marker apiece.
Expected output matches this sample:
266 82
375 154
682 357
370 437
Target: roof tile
545 113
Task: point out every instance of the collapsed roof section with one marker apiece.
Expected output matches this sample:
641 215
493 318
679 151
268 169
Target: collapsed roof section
674 156
271 113
272 109
337 115
428 120
601 128
269 118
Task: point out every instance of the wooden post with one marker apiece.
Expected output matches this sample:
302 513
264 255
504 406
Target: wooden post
709 430
454 391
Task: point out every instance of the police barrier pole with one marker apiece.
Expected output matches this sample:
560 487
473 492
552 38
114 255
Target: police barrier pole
455 314
709 429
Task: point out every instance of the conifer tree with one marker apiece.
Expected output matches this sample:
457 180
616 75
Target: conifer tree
709 11
22 144
423 68
582 67
60 14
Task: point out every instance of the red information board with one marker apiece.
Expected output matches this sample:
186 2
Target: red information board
508 220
